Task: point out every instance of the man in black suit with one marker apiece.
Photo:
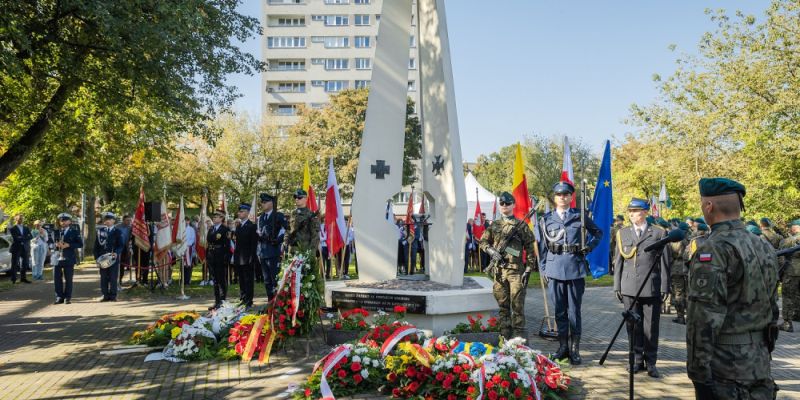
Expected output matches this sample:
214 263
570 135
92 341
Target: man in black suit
271 229
67 240
20 249
109 240
244 254
218 239
632 266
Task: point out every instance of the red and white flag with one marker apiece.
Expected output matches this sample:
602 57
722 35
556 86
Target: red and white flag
477 228
566 169
164 233
410 215
201 229
494 209
179 231
141 235
334 216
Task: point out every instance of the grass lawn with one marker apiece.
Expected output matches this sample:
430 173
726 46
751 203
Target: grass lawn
533 282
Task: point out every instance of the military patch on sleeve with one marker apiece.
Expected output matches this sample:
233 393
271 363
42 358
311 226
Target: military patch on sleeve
704 257
701 281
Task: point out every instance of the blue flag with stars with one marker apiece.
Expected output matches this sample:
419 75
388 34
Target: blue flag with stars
602 208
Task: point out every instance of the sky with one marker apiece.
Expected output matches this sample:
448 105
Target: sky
551 68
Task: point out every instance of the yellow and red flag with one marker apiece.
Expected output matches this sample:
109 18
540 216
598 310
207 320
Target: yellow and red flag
522 202
312 198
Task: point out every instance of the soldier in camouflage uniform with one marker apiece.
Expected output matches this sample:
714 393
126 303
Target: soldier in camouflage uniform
303 234
790 278
678 274
509 281
768 230
733 309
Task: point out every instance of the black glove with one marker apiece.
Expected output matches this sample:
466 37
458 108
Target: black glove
586 250
703 390
525 276
619 295
664 297
545 279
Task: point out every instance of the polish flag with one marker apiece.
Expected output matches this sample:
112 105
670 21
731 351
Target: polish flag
334 216
477 228
179 231
141 234
566 169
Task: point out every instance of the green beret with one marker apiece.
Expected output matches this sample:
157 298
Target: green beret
700 220
751 223
650 220
753 229
702 227
795 222
683 226
662 222
710 187
766 221
506 197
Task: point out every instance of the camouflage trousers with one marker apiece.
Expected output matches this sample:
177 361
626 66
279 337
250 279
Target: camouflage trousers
679 294
791 298
764 389
509 291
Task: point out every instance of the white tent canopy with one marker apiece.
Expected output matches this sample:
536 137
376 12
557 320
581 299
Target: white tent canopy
477 192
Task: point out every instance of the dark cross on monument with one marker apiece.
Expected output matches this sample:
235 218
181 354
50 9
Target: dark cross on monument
438 165
380 169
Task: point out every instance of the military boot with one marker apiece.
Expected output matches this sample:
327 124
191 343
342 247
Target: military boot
679 320
563 348
787 326
575 351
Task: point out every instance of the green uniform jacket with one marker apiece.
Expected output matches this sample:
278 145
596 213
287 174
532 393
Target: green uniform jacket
303 231
732 296
793 269
498 230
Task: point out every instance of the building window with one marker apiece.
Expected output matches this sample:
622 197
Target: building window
284 42
286 110
297 21
337 64
363 63
412 41
336 42
337 1
361 1
318 18
335 86
286 2
318 83
412 63
318 106
362 41
290 87
337 20
362 19
361 84
288 66
412 86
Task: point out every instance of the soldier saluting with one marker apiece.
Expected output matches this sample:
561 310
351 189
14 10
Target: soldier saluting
563 265
632 266
731 321
511 280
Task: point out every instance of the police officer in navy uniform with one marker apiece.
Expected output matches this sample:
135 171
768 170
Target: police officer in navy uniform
218 240
20 249
67 241
564 266
271 230
244 254
109 240
632 265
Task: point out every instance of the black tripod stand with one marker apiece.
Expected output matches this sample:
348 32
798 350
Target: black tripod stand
630 316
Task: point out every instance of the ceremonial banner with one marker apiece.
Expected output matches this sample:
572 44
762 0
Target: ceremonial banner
141 235
179 231
312 198
164 233
201 229
603 215
410 216
522 201
477 228
566 169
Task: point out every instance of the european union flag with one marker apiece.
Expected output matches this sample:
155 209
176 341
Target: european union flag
602 208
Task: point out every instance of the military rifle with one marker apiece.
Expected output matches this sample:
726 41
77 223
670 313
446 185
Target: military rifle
499 257
784 252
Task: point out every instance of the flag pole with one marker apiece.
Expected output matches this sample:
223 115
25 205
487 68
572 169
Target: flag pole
547 317
179 220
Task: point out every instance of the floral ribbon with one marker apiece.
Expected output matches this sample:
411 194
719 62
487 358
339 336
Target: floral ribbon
395 338
331 360
297 283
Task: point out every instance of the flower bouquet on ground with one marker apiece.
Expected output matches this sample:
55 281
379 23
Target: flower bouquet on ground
349 326
234 342
477 331
349 369
452 377
160 333
386 324
409 370
294 309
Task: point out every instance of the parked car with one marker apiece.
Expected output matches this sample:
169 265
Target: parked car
5 254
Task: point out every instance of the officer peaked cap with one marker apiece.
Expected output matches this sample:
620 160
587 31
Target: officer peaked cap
244 206
64 217
638 204
563 187
219 213
109 215
265 197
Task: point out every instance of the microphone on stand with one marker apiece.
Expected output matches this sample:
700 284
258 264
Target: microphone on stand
675 235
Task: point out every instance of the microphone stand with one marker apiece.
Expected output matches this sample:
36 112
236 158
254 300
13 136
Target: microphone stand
632 318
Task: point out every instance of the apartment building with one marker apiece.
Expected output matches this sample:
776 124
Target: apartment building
316 48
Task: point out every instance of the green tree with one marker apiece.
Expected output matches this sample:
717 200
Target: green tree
335 131
159 67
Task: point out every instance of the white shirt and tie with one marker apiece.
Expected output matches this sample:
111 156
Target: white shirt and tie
640 229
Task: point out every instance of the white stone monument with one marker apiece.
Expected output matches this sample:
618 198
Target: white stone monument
380 169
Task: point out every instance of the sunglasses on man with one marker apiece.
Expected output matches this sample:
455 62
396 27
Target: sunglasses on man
503 203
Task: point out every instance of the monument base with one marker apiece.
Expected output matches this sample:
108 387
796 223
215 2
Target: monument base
430 306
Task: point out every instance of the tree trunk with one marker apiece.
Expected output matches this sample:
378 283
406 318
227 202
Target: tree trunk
23 147
91 225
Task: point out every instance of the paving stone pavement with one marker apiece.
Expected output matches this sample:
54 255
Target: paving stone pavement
52 352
